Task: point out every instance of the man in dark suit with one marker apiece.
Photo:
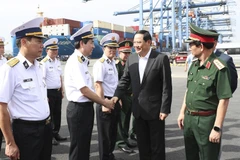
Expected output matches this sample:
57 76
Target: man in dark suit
149 74
229 61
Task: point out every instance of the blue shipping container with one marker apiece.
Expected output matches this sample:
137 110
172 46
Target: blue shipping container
74 30
101 31
86 22
128 35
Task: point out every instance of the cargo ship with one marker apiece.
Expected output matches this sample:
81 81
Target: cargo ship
63 28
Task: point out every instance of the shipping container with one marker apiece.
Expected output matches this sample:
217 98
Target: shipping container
86 22
128 35
99 37
101 31
129 39
117 27
101 24
62 29
120 33
48 21
72 23
128 29
74 30
135 28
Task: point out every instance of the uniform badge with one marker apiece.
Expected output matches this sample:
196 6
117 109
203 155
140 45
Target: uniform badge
208 65
108 61
83 59
127 44
113 38
206 77
218 64
25 64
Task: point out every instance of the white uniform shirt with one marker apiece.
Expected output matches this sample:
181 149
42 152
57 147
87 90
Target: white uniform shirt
24 89
52 72
2 60
77 76
142 64
106 72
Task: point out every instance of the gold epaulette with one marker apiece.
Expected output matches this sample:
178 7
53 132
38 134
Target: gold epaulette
44 60
102 60
12 62
218 64
79 59
117 61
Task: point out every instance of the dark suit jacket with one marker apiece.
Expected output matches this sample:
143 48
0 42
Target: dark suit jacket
231 66
154 94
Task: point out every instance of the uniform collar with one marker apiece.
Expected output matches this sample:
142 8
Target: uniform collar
208 63
26 63
84 58
107 59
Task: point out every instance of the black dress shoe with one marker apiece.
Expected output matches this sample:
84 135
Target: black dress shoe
131 143
133 137
126 149
60 138
55 142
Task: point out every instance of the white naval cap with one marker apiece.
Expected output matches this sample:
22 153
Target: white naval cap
51 43
111 40
29 29
2 39
84 32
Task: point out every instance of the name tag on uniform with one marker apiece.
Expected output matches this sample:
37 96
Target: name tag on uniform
110 71
50 68
28 83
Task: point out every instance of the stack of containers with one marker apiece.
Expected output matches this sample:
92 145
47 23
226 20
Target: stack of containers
128 33
100 29
119 30
72 23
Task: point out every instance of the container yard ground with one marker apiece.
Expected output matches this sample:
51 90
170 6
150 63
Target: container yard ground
174 136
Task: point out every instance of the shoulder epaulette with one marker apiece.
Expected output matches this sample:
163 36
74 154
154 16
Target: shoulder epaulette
102 60
44 60
218 64
79 59
12 62
117 61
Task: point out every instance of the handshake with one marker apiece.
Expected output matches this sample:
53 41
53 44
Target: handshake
110 103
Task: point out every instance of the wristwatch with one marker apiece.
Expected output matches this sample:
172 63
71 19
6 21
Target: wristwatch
217 129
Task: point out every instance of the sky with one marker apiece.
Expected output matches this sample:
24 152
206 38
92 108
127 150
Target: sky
15 12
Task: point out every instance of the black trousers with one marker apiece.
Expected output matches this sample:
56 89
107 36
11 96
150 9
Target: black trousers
55 104
107 124
34 140
80 118
150 139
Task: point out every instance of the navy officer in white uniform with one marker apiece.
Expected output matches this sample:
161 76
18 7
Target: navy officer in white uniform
105 80
2 58
52 73
23 98
80 94
2 61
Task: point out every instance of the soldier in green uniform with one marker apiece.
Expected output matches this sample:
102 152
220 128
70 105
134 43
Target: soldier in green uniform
125 117
206 100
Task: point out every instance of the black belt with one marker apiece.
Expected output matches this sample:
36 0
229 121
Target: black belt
81 102
107 97
42 122
58 89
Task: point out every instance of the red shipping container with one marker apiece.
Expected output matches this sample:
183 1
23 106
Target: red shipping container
135 28
120 33
72 23
48 21
121 39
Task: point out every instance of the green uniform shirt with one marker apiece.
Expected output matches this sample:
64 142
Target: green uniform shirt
207 84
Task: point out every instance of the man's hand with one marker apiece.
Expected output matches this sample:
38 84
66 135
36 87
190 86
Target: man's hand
106 110
162 116
215 136
114 99
12 151
180 120
109 104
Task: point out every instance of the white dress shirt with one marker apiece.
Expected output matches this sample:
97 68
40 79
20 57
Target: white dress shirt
106 72
142 64
77 76
23 88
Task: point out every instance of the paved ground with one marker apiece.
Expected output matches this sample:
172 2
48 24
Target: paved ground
174 136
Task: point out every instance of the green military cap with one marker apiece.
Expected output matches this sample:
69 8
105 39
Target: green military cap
199 34
125 46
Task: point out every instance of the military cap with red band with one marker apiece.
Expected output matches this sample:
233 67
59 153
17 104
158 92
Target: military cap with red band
199 34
